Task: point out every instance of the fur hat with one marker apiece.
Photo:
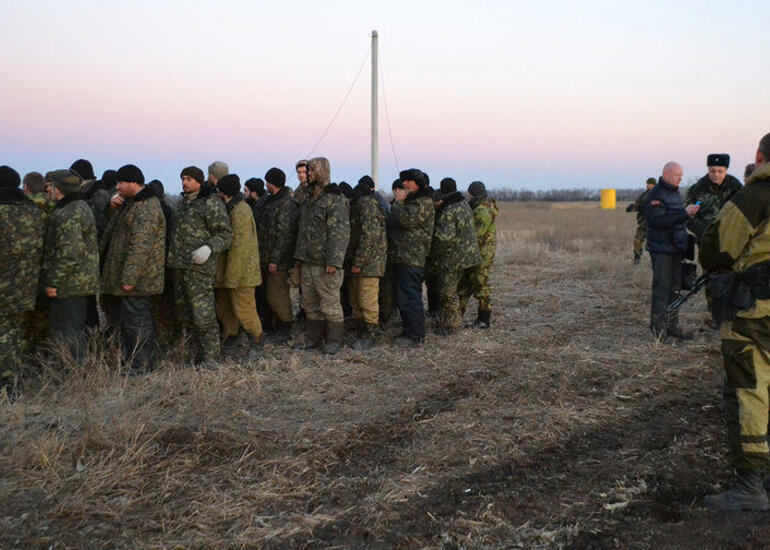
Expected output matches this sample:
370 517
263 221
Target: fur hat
229 185
84 169
193 172
718 159
66 181
9 178
415 175
275 176
131 173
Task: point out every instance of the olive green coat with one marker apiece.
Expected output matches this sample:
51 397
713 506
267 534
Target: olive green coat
454 244
71 253
238 266
324 227
133 247
412 228
21 251
485 212
368 248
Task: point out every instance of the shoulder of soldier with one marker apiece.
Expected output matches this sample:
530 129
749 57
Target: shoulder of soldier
753 201
733 182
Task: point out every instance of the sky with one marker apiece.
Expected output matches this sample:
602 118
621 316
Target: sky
524 95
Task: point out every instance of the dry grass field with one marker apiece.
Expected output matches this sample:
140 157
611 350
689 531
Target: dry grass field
563 426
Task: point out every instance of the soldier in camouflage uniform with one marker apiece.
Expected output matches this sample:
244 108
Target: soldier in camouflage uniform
641 224
387 300
277 234
412 231
712 191
738 242
133 248
475 280
21 251
70 273
322 239
301 191
367 252
454 249
200 230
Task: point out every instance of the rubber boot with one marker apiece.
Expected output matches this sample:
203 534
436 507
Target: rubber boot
282 333
314 334
368 337
483 320
747 494
334 333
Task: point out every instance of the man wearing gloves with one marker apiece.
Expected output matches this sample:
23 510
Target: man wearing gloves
200 230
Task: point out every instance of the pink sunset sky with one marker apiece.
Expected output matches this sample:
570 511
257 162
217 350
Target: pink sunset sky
516 94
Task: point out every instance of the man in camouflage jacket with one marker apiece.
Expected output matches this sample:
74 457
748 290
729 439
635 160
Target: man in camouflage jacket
21 251
70 273
134 257
712 191
641 223
200 230
412 214
453 250
475 280
277 236
322 240
367 253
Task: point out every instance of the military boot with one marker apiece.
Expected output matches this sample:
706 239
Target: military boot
334 332
747 493
282 333
253 352
231 345
483 320
368 337
314 334
354 331
679 334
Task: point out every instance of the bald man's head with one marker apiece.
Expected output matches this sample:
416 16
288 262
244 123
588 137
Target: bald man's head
672 173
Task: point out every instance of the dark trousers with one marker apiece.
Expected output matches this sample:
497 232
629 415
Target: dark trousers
666 282
433 292
137 331
67 319
263 309
409 300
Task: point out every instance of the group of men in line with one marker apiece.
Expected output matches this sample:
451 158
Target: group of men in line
220 262
730 224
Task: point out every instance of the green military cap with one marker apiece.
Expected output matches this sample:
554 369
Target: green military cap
651 181
65 181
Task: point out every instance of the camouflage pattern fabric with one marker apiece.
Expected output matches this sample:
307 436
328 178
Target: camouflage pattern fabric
200 219
196 310
134 247
45 204
475 280
71 254
450 316
300 193
454 245
368 248
21 250
99 203
238 266
712 198
412 228
278 230
10 348
641 224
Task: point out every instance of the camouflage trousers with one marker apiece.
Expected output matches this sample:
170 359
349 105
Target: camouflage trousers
639 237
196 310
746 354
363 295
10 347
321 293
278 296
35 326
475 282
450 316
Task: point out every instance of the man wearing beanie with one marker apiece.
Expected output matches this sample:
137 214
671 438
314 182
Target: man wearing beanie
322 240
367 255
70 273
133 248
454 249
21 224
237 275
475 280
412 213
217 170
200 230
641 224
277 236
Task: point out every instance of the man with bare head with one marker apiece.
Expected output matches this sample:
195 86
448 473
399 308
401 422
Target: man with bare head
301 191
667 241
217 171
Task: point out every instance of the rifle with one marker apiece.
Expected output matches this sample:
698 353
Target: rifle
697 284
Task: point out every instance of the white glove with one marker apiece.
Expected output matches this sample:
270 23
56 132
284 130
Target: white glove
200 255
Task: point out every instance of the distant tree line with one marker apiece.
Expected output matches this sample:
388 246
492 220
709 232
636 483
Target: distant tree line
565 195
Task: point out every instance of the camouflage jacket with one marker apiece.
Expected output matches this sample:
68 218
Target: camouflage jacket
324 227
639 208
133 247
45 204
484 215
712 198
278 230
368 248
21 251
412 228
454 244
199 219
99 203
300 194
238 266
71 253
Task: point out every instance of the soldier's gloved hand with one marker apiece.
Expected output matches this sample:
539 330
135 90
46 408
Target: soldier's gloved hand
200 255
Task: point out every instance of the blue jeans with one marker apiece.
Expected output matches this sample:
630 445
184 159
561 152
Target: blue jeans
409 300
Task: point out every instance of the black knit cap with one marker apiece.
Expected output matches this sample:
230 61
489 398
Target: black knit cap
367 180
415 175
156 186
229 185
9 178
477 189
108 178
193 172
275 176
448 185
346 189
84 169
129 172
397 184
718 159
256 185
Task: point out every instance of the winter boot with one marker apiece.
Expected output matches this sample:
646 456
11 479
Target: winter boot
368 337
353 331
282 333
232 345
747 493
314 334
334 332
483 320
253 352
679 334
